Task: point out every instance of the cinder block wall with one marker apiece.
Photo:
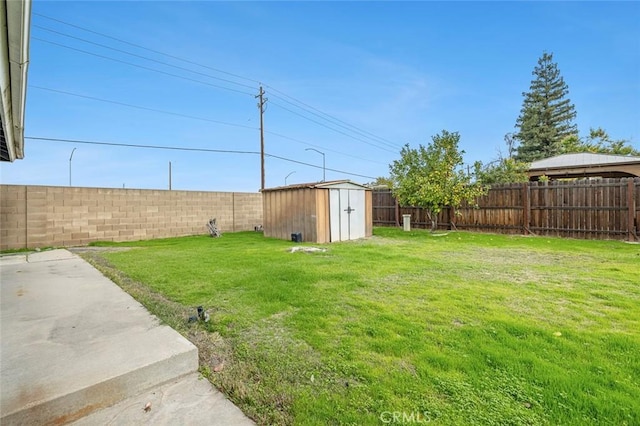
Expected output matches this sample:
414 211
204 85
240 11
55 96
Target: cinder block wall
41 216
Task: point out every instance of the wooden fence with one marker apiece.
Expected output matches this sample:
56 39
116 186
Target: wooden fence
587 209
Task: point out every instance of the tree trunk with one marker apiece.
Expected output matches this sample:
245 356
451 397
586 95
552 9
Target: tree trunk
434 221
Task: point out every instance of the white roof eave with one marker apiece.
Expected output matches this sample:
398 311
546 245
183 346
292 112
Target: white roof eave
18 24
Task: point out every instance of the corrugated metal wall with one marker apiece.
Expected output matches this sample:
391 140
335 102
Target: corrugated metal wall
295 210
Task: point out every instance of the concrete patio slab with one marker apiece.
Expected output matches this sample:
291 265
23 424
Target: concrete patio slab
72 342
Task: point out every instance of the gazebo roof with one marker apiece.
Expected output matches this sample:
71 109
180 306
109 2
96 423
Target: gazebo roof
586 164
582 159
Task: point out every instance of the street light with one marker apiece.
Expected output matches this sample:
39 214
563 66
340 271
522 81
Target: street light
324 177
285 178
70 158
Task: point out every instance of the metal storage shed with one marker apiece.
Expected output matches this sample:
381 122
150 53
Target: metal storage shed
322 212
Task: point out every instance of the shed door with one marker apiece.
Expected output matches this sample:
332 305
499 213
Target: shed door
347 214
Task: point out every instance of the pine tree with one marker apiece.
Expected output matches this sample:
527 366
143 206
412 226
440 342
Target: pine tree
547 115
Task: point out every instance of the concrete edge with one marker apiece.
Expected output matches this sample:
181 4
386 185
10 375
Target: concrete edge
73 406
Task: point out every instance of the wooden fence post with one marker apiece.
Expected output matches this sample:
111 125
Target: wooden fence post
526 208
397 210
631 206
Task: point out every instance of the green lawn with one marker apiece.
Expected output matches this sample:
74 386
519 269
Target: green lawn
463 328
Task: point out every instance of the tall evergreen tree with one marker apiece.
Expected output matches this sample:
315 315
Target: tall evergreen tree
547 115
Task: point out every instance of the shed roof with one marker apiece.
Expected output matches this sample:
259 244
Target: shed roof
327 184
583 159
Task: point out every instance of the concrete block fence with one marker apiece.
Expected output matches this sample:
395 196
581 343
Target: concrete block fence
43 216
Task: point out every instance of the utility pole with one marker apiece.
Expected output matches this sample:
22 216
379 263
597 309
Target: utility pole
261 103
169 175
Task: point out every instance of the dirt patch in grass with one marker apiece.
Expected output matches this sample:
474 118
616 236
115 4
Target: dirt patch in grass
515 266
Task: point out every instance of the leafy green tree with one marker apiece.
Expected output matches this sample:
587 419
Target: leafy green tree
381 181
432 177
503 170
547 115
598 142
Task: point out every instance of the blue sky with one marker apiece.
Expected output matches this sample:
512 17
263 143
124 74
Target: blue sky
390 72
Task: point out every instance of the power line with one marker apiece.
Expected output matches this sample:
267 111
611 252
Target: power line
322 147
180 148
331 128
331 118
64 92
318 167
198 81
145 48
209 84
130 145
306 107
334 122
141 66
177 114
142 57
